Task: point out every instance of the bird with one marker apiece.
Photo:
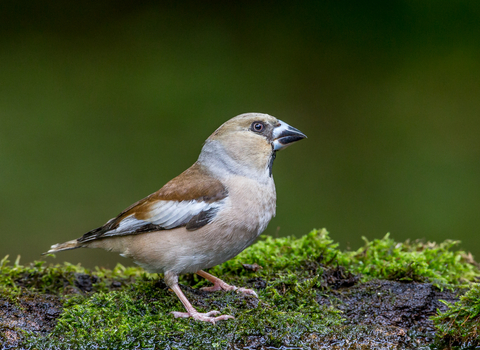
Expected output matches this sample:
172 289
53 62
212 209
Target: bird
206 215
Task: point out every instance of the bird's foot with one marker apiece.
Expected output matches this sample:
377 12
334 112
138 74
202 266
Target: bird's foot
214 288
204 317
226 287
247 291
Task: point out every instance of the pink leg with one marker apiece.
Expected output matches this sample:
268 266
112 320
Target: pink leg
218 284
191 312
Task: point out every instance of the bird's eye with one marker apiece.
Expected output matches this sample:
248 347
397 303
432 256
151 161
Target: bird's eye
257 126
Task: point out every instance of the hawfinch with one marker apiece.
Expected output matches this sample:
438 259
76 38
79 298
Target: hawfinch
206 215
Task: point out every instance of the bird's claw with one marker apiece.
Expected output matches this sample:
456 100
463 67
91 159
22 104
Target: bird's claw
228 288
247 291
213 288
204 317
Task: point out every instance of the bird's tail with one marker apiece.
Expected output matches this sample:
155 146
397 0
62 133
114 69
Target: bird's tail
73 244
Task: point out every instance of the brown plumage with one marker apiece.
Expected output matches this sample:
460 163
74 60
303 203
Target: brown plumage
206 215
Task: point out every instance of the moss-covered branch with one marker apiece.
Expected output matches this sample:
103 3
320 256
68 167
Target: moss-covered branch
310 293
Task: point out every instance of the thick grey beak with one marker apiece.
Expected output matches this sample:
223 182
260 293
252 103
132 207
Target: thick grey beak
284 135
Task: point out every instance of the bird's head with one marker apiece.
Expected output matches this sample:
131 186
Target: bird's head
247 144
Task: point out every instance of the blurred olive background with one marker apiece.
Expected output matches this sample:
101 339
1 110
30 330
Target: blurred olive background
102 102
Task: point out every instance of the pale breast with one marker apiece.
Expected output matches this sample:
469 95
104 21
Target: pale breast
252 204
250 207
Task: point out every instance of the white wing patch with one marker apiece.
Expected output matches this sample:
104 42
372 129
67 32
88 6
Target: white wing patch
166 215
129 224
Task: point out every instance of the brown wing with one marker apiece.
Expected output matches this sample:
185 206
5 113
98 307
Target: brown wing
191 199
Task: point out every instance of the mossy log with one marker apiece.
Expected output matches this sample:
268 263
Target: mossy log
386 295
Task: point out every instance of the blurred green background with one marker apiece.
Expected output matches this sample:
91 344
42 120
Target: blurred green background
101 103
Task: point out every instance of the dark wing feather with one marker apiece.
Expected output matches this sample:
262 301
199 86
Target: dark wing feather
202 218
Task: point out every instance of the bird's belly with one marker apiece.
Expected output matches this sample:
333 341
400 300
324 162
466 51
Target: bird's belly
183 251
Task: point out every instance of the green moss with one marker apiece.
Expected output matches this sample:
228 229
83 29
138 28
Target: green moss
125 308
460 323
417 261
58 278
276 254
140 316
439 264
